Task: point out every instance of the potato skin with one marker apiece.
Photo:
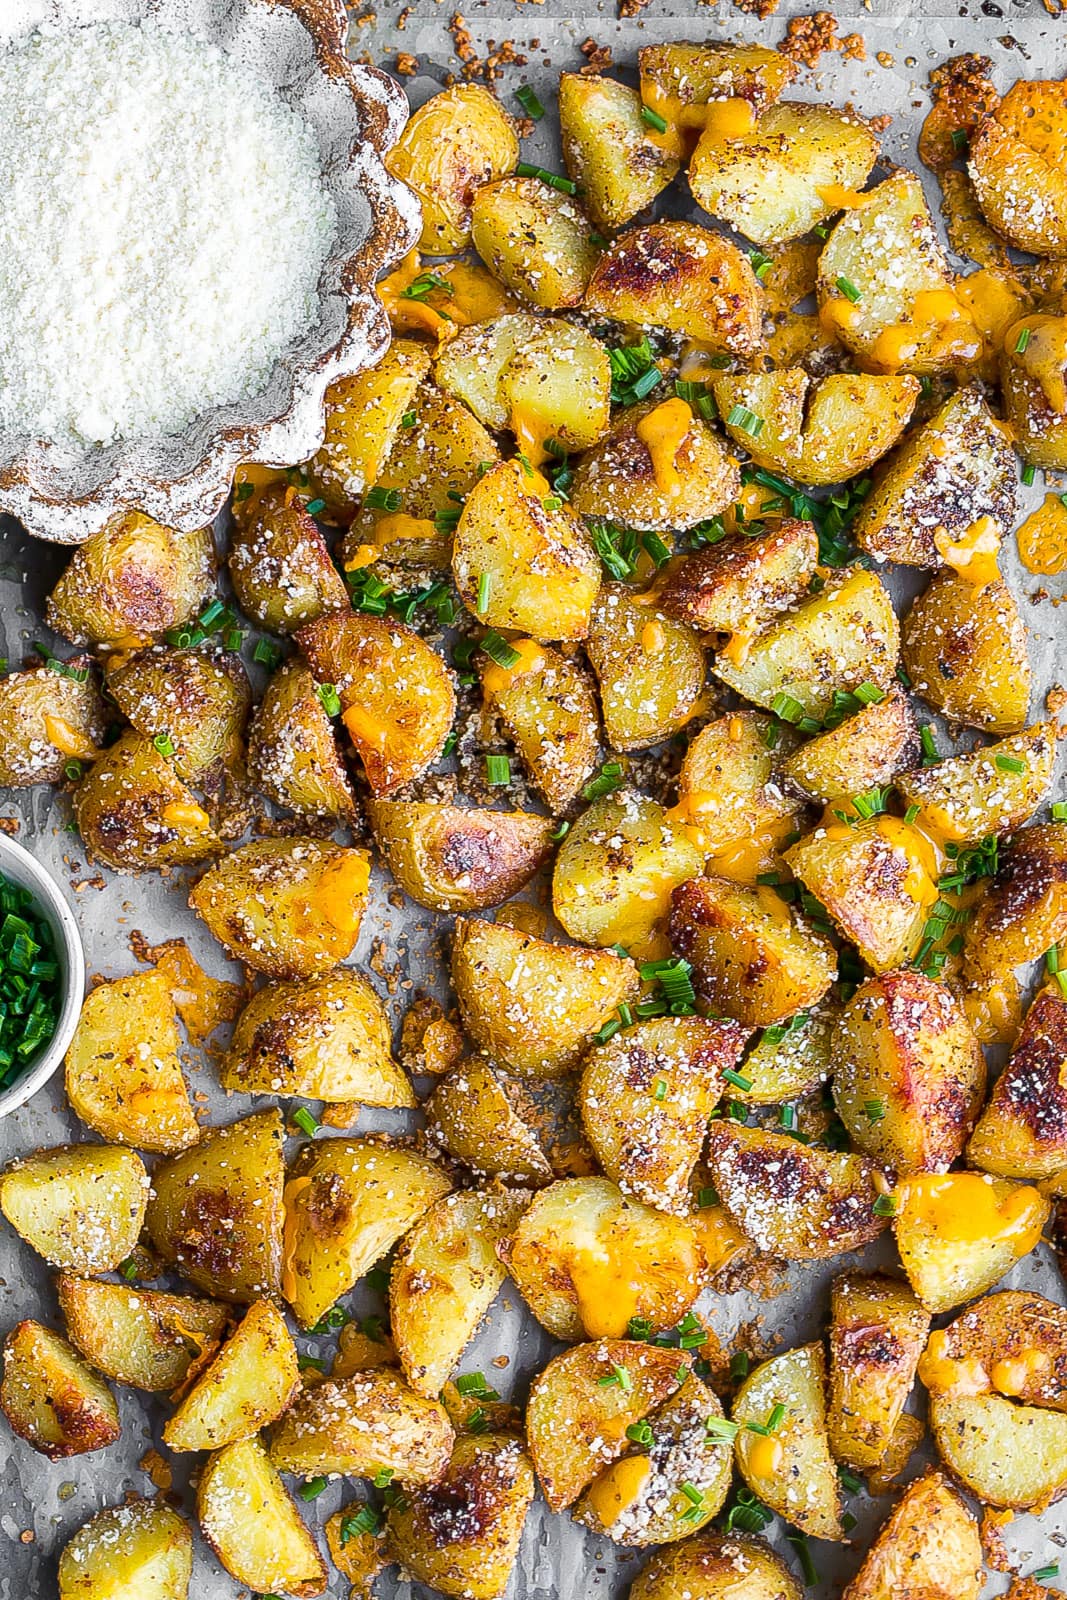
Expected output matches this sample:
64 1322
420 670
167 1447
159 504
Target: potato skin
471 1115
551 715
247 1384
140 1337
617 479
250 1521
141 1542
51 1398
33 701
965 652
1020 184
131 581
454 858
535 240
80 1206
1022 1133
877 1333
454 143
944 1265
729 784
645 695
711 1565
932 1537
679 80
292 750
876 745
609 150
280 565
739 585
970 796
133 811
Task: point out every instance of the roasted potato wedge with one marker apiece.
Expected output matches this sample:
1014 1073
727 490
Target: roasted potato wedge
649 1145
537 241
987 791
397 699
617 160
364 413
280 564
650 668
455 142
358 1554
965 652
959 1233
133 811
929 1544
531 1005
877 1333
250 1521
248 1384
550 712
346 1203
325 1038
1009 1455
292 750
193 705
728 789
360 1425
1022 914
141 1547
50 722
796 1476
51 1398
788 1060
80 1206
680 80
680 276
770 182
619 478
286 907
139 1337
462 1535
876 746
712 1565
1031 381
908 1074
753 959
738 586
1016 165
132 580
587 1260
216 1210
576 1423
470 1113
790 1199
122 1070
454 858
1012 1343
1022 1133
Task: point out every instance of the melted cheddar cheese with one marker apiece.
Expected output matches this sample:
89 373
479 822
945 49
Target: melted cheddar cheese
974 554
964 1208
663 431
618 1487
185 814
939 327
1042 539
838 198
495 679
338 895
68 740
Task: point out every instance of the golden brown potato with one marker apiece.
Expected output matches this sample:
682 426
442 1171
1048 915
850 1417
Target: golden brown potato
728 791
454 858
634 479
930 1543
1022 1133
1012 1343
797 1475
292 750
951 472
790 1059
50 722
1009 1455
713 1565
396 694
679 81
877 1333
843 636
965 652
325 1038
535 240
446 1275
753 959
770 181
650 668
1022 914
139 1336
130 581
360 1425
990 790
792 1200
739 585
250 1521
908 1073
1016 165
51 1398
141 1547
471 1115
616 869
285 907
462 1536
248 1384
820 434
280 564
550 712
358 1554
79 1205
347 1202
192 706
587 1261
531 1005
364 413
133 811
958 1233
872 748
123 1072
455 142
617 160
1031 380
216 1211
582 1403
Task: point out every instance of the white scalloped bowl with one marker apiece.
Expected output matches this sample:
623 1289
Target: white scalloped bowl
357 113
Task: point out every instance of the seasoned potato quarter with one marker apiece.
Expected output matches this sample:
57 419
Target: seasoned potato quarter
1022 914
51 1398
1013 1343
472 1116
680 80
965 652
987 791
472 364
796 1474
877 745
139 1337
619 162
739 585
195 705
958 1233
49 720
292 750
789 1059
930 1541
621 479
650 668
364 412
877 1333
1022 1133
1011 1456
455 142
457 858
550 712
1035 406
132 580
141 1547
247 1385
535 240
250 1521
646 1140
80 1206
1016 165
216 1210
280 565
712 1565
728 789
361 1424
133 811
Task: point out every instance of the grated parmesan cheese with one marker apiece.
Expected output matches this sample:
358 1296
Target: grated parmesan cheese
163 225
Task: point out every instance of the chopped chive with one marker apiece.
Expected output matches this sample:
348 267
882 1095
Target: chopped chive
761 264
409 419
1044 1573
608 1031
885 1205
639 1432
1029 473
312 1489
330 1320
164 744
560 831
931 754
741 417
807 1565
959 139
874 1109
655 548
379 499
266 654
911 813
128 1269
617 1377
1009 763
707 1197
496 647
776 1418
527 98
305 1121
639 1328
313 507
607 780
329 698
740 1362
849 1480
474 1383
497 771
425 284
653 119
485 584
659 1090
365 1520
73 769
736 1079
848 289
645 384
383 1476
1059 811
1022 341
526 169
310 1363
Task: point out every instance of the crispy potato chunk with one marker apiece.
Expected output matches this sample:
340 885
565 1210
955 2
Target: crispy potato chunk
738 586
536 241
292 750
1022 1133
216 1211
454 858
792 1200
285 907
141 1547
877 879
647 1144
619 478
51 1398
650 668
139 1337
908 1074
1007 1454
250 1521
768 183
618 161
681 80
80 1206
576 1424
453 144
872 748
123 1073
683 277
959 1233
48 720
1013 1343
325 1038
248 1384
752 958
1031 381
360 1425
280 564
801 1484
363 420
790 1059
877 1333
929 1544
990 790
195 704
471 1114
587 1260
1017 167
965 652
550 712
133 811
712 1565
531 1005
728 786
132 580
1022 914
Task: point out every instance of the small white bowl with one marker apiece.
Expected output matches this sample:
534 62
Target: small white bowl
17 864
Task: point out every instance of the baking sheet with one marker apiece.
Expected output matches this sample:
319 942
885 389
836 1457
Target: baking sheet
41 1504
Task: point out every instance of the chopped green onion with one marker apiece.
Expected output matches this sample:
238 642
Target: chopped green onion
379 499
931 754
525 169
740 1363
761 264
617 1377
425 284
527 98
313 507
474 1383
747 1513
1043 1574
885 1205
707 1196
164 744
329 698
1059 811
331 1320
741 417
874 1109
639 1432
607 780
1029 473
73 769
807 1565
312 1489
911 814
310 1363
849 1480
659 1090
243 491
639 1328
305 1121
695 1497
655 548
653 119
409 419
697 396
63 668
634 373
485 584
776 1418
365 1520
266 654
736 1079
128 1269
496 647
608 1031
383 1477
1022 341
1009 763
848 289
959 138
560 831
497 771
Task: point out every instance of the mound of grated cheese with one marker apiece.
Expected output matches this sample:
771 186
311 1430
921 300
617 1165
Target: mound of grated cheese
163 225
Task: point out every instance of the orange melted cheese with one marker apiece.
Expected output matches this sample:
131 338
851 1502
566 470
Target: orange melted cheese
1042 539
663 431
756 504
944 1374
364 555
618 1487
530 435
290 1233
1014 1375
653 638
339 893
719 1238
1045 356
393 526
991 302
366 728
763 1456
740 860
939 328
473 295
839 316
920 883
974 554
963 1207
838 198
608 1291
68 740
495 679
185 814
732 118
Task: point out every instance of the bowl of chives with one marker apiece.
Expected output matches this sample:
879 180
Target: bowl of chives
42 975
